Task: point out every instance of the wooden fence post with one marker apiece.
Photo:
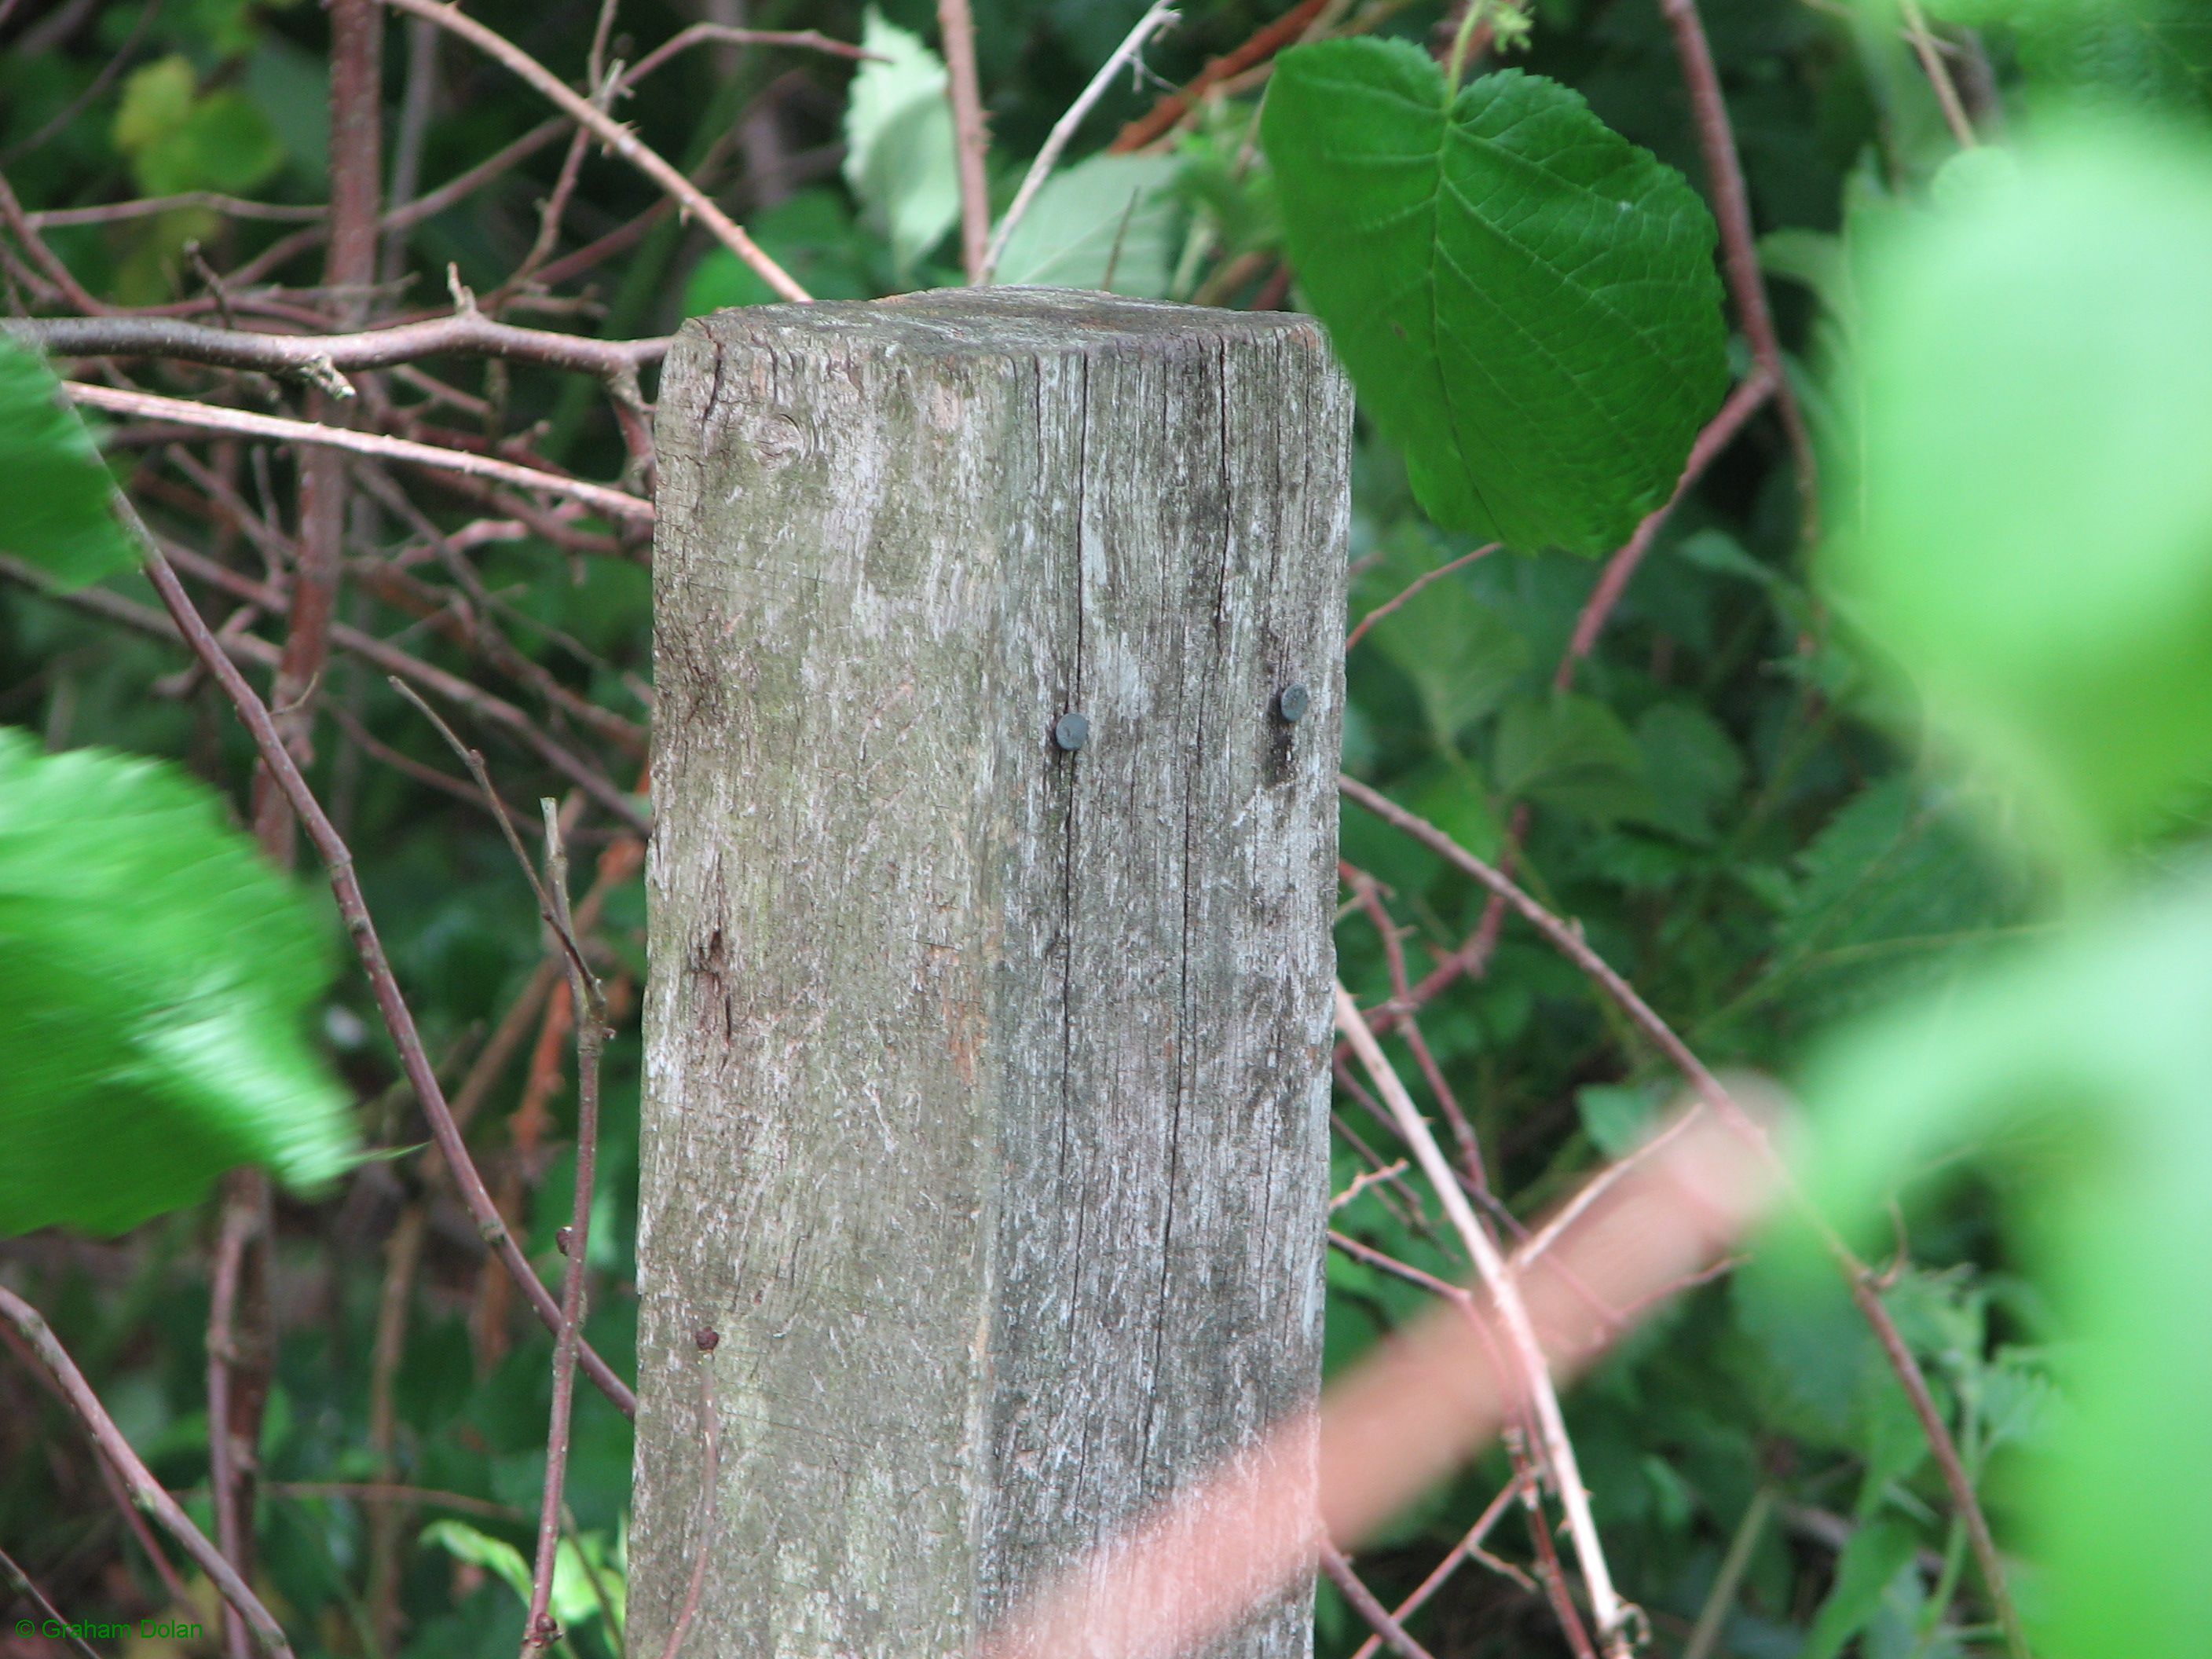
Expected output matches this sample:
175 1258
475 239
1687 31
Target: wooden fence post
997 640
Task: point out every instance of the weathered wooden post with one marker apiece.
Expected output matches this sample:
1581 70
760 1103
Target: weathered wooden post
998 645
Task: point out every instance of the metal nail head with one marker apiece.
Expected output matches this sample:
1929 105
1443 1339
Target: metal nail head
1293 703
1071 732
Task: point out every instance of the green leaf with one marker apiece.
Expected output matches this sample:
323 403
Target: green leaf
1692 764
1892 886
1617 1117
1572 753
178 141
1110 214
1526 300
58 516
2034 544
575 1602
2101 1041
811 234
155 976
156 100
1869 1563
899 158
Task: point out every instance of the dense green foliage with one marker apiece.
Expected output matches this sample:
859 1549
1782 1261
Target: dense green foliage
2006 356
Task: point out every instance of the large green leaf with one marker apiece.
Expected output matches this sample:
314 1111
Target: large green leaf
899 154
2034 542
1526 301
57 516
154 976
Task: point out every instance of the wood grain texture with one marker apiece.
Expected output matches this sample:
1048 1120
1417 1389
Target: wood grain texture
985 1094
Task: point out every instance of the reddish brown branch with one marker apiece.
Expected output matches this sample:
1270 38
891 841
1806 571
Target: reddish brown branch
1161 118
1380 1620
970 139
611 503
146 1492
414 1060
1739 243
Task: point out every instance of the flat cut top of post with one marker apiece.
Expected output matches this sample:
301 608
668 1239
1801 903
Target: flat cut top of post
999 322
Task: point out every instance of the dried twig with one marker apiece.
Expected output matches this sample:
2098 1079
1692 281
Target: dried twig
315 358
1469 1548
1160 16
25 1585
610 132
145 1491
1615 1619
611 503
1938 73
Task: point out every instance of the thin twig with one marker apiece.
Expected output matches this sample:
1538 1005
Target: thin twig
1721 1601
145 1491
610 132
1364 1603
1739 244
1939 74
1161 120
346 887
539 1630
725 34
1158 17
28 1586
1469 1548
145 207
971 137
611 503
1615 1618
1569 941
1360 631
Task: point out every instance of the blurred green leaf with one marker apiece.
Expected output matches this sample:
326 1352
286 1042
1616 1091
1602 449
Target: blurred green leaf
1571 753
1526 301
2034 533
1110 213
899 154
2100 1042
811 234
59 517
1876 1553
575 1602
177 140
154 975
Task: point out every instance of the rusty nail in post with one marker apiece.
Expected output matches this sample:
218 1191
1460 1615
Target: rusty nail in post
1292 701
1071 732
